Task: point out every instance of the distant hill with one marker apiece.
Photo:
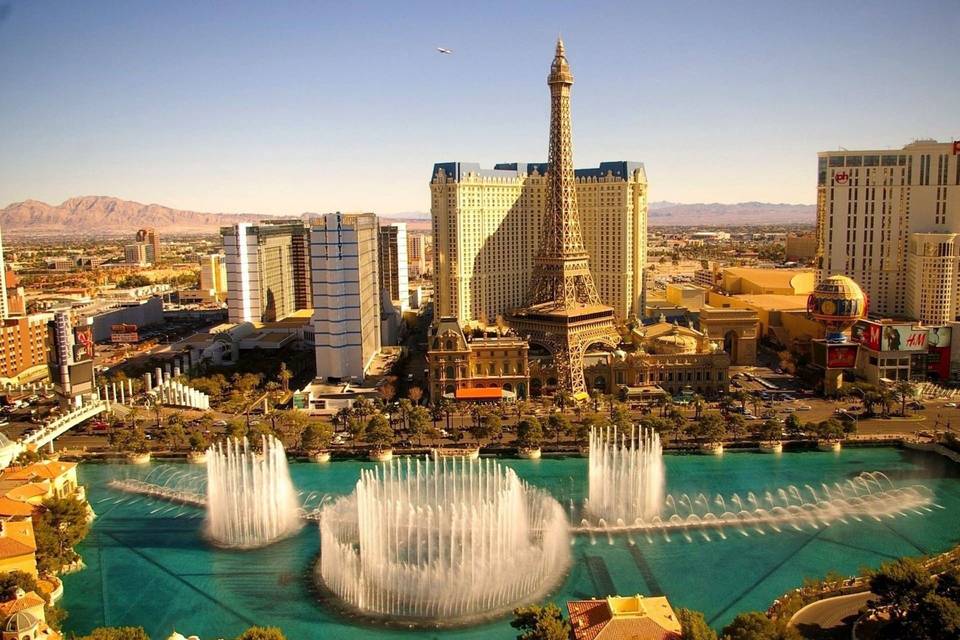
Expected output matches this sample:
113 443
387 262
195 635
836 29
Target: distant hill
103 215
715 214
108 216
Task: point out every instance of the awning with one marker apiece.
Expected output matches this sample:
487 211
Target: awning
489 393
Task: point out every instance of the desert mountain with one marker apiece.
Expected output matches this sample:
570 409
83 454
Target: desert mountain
715 214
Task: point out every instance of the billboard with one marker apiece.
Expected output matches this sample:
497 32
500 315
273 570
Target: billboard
898 336
124 333
834 356
83 345
842 356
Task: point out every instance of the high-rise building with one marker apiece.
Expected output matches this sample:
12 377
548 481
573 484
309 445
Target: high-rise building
4 309
213 275
346 294
268 274
23 351
563 311
70 350
137 253
417 263
881 211
487 226
152 239
932 277
393 264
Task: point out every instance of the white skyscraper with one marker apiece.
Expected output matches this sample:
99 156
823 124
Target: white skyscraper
890 219
346 294
4 309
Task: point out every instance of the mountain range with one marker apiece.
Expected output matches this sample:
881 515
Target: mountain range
715 214
108 216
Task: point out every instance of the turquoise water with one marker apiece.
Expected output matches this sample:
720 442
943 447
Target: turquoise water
148 565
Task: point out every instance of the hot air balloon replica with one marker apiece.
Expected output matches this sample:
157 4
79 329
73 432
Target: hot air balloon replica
837 303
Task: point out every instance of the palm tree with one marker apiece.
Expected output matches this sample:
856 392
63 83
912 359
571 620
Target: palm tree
698 405
284 376
415 393
906 390
405 408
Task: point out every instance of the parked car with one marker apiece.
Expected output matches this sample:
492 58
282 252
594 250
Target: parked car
952 405
804 407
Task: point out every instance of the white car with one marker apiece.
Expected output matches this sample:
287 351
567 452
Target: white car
804 407
952 405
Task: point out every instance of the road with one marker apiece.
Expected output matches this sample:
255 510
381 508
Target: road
830 618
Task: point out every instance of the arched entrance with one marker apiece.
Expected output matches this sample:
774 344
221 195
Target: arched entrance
731 344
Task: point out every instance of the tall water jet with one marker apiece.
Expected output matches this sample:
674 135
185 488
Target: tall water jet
626 475
442 542
250 497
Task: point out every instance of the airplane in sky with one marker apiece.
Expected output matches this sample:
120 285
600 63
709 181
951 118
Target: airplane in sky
445 51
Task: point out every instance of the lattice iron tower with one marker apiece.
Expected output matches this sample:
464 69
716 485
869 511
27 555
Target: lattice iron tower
564 312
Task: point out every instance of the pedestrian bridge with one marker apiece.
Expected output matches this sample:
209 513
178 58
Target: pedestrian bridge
48 432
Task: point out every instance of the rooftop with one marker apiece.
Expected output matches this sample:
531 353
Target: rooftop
624 618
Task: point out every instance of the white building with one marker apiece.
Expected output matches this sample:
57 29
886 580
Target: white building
137 253
268 276
487 225
346 294
889 219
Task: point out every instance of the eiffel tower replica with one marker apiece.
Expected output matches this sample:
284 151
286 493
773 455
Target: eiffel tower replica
563 312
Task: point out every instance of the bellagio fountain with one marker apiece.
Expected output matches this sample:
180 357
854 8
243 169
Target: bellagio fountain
441 541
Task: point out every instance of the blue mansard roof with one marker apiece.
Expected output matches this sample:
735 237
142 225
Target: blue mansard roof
457 170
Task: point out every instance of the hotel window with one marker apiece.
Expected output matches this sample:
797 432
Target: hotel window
836 161
854 161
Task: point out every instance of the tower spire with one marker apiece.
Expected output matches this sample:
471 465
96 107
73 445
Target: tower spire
561 267
563 311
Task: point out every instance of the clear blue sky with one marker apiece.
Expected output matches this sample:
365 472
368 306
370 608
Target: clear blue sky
290 107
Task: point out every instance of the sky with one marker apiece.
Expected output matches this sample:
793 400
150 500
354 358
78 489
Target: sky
286 107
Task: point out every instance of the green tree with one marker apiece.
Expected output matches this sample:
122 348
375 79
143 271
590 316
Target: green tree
197 441
117 633
236 428
491 426
379 432
829 429
620 416
316 436
793 424
134 280
736 425
540 623
709 428
10 582
770 430
262 633
61 525
693 626
757 626
529 433
936 618
418 423
900 585
558 425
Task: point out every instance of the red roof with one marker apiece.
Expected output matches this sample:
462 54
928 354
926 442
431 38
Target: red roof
592 620
490 393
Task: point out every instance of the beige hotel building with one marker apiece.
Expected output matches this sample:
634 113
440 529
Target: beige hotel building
487 227
890 219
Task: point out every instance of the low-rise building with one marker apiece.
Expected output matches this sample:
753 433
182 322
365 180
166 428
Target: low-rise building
478 365
624 617
23 618
801 247
670 356
18 546
61 477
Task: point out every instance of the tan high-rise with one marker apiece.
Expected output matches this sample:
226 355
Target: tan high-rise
889 219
